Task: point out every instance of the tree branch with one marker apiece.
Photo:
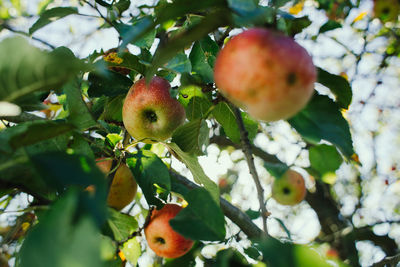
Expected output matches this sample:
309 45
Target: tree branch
388 261
246 147
233 213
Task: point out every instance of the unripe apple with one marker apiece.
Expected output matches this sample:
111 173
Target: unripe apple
386 10
160 236
266 73
123 187
289 189
149 113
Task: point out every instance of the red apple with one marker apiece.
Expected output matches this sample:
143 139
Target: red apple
289 189
123 188
266 73
160 236
149 113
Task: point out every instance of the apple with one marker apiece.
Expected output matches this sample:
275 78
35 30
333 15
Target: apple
265 73
123 187
386 10
289 189
160 236
149 112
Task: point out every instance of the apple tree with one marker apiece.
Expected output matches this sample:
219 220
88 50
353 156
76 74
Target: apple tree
280 148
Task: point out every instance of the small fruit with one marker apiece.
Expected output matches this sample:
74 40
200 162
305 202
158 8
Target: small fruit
160 236
386 10
149 113
289 189
123 188
266 73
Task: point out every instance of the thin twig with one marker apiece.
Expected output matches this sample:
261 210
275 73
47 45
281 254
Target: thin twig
246 147
8 27
388 261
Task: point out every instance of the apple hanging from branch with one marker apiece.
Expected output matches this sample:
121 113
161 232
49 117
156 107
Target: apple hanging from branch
289 189
160 236
266 73
149 112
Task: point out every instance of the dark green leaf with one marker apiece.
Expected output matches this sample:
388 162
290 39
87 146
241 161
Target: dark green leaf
102 3
329 25
31 70
191 136
109 84
121 225
129 61
146 40
325 159
180 63
224 114
253 214
230 257
132 33
322 120
197 108
51 15
202 219
203 57
198 173
113 109
79 114
122 5
148 169
276 169
29 133
296 25
61 238
339 86
164 53
81 146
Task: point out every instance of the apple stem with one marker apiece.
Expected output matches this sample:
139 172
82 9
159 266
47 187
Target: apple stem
246 147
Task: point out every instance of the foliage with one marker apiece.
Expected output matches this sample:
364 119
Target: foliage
70 113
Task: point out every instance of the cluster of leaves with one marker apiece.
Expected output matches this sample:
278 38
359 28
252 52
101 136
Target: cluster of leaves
52 158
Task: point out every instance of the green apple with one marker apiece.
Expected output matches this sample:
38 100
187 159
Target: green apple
149 113
266 73
289 189
386 10
160 236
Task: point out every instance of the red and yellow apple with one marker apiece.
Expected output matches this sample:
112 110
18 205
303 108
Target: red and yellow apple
266 73
289 189
123 187
160 236
149 112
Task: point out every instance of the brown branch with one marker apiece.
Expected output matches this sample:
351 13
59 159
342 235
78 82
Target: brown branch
388 261
246 147
233 213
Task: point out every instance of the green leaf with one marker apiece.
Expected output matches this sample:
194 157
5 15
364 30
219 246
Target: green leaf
198 174
146 40
224 114
202 57
29 133
129 61
242 7
322 120
180 63
276 169
63 237
148 169
191 136
187 260
197 108
113 109
132 250
81 146
178 43
329 26
122 5
325 159
31 70
121 225
113 139
51 15
202 219
280 254
109 84
186 93
79 114
339 86
132 33
230 257
297 25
